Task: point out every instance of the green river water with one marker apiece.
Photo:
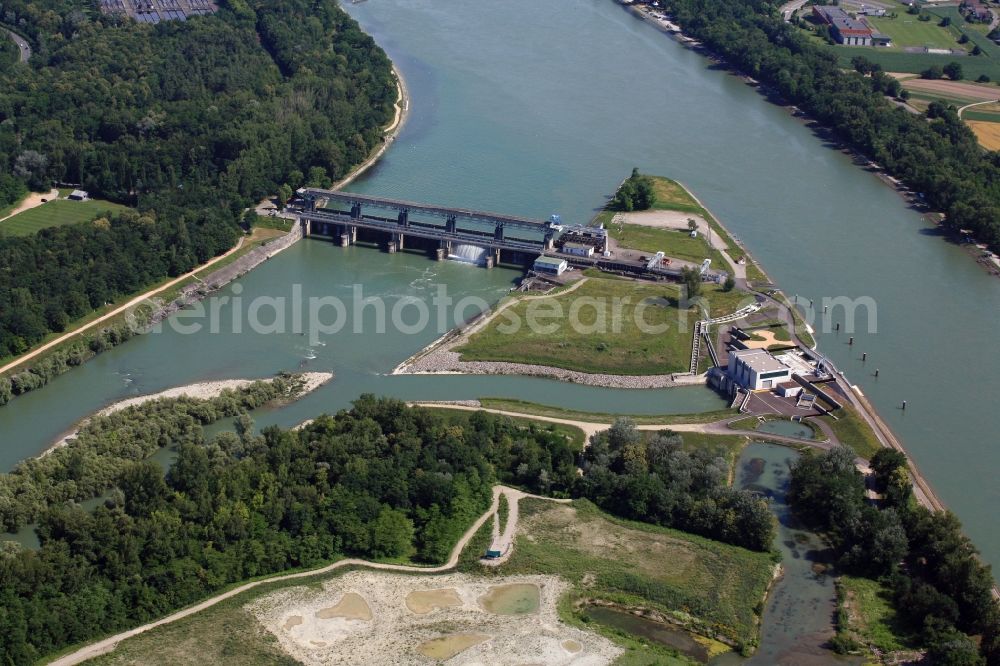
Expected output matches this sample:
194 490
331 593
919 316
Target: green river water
535 108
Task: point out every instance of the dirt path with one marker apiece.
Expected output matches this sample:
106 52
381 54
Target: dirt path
590 428
108 644
117 311
505 542
33 200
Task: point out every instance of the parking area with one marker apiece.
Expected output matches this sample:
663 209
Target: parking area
766 402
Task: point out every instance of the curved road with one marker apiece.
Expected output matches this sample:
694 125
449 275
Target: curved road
22 45
108 644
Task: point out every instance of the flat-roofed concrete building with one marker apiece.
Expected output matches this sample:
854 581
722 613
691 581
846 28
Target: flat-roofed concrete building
757 369
550 265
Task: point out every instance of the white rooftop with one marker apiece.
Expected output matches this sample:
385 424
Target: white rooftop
759 360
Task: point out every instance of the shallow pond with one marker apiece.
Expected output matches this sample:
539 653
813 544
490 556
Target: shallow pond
788 428
655 632
512 599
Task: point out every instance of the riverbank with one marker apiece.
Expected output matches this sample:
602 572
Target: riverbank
193 287
402 111
198 391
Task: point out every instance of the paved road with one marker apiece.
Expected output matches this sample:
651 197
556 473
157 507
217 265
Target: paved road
969 106
22 45
108 644
790 8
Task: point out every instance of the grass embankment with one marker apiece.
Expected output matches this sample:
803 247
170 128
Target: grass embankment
57 213
854 431
865 615
703 584
525 407
671 195
674 243
599 329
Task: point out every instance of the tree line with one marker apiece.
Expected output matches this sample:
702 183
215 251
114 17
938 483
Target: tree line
189 122
940 588
936 155
381 480
635 193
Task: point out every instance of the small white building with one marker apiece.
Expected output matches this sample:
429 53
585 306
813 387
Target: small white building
550 265
78 195
757 369
789 389
578 249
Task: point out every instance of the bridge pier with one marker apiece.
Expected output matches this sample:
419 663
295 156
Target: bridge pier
306 227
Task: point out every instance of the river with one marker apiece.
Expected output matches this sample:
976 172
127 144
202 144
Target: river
537 108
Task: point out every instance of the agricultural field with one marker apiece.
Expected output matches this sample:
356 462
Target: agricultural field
987 132
983 119
56 214
598 331
913 63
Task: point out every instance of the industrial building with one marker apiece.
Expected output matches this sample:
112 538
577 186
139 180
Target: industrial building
757 369
848 30
550 265
578 249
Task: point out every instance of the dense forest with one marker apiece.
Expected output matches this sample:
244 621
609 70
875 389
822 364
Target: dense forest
941 590
187 121
381 480
656 480
935 154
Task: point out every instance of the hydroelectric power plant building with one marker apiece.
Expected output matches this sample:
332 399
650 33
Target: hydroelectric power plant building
757 369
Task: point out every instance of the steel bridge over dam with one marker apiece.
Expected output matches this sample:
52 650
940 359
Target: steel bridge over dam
397 224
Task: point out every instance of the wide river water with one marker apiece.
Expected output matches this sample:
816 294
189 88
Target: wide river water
535 108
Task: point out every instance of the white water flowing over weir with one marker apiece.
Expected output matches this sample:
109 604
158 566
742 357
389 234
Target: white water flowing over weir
469 254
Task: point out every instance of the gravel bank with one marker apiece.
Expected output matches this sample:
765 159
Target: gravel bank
394 634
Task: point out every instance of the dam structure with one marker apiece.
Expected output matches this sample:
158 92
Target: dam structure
466 235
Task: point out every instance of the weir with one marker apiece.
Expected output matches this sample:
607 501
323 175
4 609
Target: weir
475 236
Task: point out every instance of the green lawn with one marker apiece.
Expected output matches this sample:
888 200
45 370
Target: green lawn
905 30
599 330
713 588
56 214
854 431
871 618
525 407
674 243
671 195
